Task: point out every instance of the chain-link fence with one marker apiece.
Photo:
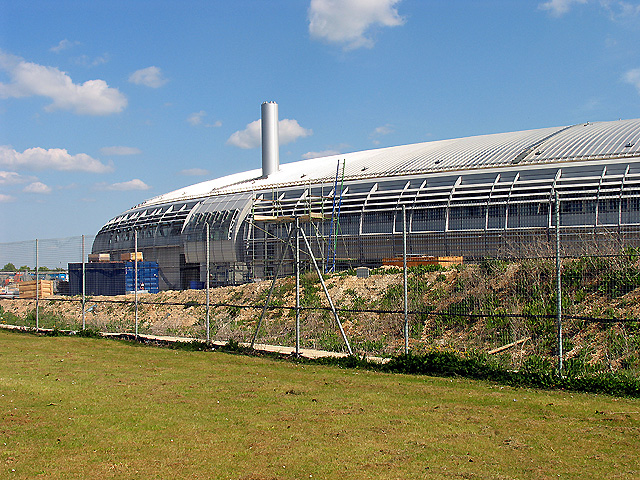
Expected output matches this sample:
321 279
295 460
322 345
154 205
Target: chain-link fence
505 305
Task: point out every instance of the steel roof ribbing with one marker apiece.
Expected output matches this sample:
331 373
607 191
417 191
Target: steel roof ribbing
599 140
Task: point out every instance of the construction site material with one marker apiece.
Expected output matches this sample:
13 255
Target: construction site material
362 272
28 289
131 257
99 257
414 261
509 345
307 217
273 218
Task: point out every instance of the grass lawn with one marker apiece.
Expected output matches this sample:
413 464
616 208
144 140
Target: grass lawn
94 408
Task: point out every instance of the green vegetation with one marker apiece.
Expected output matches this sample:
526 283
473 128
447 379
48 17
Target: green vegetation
94 409
467 308
536 371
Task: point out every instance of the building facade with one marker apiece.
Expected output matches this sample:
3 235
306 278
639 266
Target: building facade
490 195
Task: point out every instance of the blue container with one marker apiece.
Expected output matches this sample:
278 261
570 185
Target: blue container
113 278
148 278
196 285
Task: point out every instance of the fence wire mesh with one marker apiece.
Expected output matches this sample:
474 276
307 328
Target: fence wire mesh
503 305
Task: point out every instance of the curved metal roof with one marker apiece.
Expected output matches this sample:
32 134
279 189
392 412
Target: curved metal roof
588 141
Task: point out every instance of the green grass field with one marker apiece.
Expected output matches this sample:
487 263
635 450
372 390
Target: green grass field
94 408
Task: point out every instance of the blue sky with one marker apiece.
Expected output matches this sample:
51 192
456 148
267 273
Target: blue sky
106 103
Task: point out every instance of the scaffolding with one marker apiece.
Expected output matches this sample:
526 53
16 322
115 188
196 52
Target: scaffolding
295 231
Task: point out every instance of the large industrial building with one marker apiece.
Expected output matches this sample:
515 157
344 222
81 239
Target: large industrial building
474 197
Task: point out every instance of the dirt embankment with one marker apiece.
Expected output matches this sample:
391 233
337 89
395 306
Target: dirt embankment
477 307
234 309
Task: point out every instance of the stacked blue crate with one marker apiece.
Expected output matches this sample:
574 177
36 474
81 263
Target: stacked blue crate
148 279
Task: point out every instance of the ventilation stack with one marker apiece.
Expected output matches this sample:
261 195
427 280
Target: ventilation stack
270 146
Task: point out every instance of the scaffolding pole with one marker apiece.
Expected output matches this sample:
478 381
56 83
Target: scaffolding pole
326 292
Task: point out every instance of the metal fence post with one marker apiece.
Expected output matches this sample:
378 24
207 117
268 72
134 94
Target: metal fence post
83 285
135 274
297 268
404 269
208 276
37 292
558 283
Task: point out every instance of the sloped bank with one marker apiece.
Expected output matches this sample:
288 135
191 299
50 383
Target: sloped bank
469 308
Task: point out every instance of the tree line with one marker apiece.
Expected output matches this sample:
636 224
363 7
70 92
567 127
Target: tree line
10 267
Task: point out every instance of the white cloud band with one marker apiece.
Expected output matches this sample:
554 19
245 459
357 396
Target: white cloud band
633 77
149 77
13 178
120 151
37 187
52 159
93 97
135 184
348 22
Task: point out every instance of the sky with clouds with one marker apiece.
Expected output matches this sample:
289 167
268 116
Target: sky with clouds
104 104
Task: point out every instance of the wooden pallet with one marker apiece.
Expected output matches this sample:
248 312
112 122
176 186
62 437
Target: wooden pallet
99 257
413 261
131 257
28 289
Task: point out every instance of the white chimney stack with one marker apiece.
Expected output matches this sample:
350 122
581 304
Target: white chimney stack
270 146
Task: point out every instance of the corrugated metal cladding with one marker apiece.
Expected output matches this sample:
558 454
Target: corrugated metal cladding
601 140
475 196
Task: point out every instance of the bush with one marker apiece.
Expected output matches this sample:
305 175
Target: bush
537 372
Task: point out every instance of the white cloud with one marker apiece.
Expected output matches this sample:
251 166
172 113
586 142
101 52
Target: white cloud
52 159
194 172
617 9
13 178
251 137
348 22
633 77
135 184
197 118
87 61
289 131
93 97
559 7
379 132
63 45
149 77
382 130
120 150
620 9
37 187
6 198
324 153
